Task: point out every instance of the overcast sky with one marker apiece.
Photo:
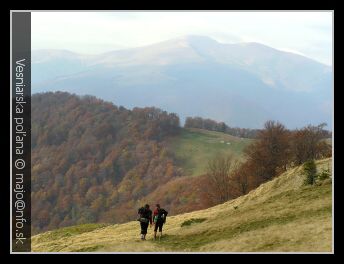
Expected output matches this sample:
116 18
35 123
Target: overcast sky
306 33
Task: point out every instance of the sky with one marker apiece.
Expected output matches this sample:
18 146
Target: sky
305 33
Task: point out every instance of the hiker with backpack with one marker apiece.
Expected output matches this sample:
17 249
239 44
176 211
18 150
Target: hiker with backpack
159 218
145 218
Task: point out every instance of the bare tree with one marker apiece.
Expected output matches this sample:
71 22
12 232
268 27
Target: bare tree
309 143
241 179
269 155
218 185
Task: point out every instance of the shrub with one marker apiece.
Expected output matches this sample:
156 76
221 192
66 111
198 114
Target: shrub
324 174
310 170
193 221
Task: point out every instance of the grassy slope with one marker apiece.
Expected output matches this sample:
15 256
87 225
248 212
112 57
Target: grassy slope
280 215
195 147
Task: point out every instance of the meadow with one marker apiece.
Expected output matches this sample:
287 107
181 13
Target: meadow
282 215
193 148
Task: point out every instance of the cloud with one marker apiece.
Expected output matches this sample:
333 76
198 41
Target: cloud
95 32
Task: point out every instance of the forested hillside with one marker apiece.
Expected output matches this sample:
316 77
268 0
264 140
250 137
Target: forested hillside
95 162
91 160
212 125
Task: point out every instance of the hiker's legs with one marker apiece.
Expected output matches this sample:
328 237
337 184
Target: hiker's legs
144 227
142 231
145 231
160 229
155 229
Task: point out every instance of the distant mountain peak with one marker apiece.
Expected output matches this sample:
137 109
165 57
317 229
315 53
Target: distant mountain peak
243 83
190 41
193 38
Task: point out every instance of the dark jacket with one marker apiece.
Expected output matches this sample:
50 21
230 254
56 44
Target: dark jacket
145 213
159 212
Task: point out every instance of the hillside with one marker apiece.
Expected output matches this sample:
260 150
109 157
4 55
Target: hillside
280 215
92 159
193 148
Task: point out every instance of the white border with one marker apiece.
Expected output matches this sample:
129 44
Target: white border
275 11
333 131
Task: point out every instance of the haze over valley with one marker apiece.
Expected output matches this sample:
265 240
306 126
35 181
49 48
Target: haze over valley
242 84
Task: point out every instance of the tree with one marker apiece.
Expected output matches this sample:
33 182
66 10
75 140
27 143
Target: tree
269 155
98 205
308 143
310 171
209 124
241 179
218 184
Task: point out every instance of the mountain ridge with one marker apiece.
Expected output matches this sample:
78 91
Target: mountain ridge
240 84
186 38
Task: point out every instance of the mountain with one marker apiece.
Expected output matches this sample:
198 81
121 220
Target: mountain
241 84
281 215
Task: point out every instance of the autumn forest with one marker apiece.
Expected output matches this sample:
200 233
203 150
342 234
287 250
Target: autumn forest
93 161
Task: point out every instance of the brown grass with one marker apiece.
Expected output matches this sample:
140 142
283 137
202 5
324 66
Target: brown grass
282 215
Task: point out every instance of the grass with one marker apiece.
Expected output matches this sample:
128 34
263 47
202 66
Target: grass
193 221
193 148
281 215
69 231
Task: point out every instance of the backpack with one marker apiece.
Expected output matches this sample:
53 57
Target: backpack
162 213
145 215
141 211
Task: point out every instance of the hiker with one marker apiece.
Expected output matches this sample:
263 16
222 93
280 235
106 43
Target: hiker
145 218
159 218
